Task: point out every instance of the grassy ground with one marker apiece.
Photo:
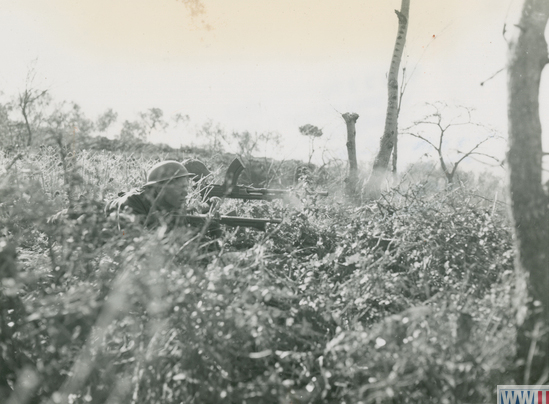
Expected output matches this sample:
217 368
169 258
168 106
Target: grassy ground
407 299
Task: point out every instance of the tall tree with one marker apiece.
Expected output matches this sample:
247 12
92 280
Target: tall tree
526 59
381 162
352 179
395 143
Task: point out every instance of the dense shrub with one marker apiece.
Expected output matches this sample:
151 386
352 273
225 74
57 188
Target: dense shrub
404 299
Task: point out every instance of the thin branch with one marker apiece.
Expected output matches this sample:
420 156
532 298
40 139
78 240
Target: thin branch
18 157
496 73
425 49
422 138
469 153
500 162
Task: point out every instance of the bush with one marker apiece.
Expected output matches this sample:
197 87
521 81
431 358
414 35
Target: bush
404 299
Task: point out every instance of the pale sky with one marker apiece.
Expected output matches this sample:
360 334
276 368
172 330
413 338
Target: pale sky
260 65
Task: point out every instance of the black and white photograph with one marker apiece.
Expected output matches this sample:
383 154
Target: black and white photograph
274 202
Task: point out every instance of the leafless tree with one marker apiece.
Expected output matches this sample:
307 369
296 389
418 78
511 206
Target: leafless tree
442 127
27 100
352 179
526 60
395 145
381 162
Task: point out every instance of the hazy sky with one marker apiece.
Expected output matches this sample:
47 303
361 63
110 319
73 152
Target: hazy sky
260 65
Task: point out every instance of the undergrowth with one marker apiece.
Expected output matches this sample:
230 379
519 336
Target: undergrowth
402 300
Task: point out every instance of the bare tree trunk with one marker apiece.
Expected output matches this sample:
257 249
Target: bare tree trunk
395 145
526 60
352 179
395 156
381 162
24 104
449 175
25 101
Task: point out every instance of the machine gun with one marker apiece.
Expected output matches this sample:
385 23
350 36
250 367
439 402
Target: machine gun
230 189
259 224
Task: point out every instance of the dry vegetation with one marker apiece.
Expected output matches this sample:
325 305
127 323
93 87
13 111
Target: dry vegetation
405 300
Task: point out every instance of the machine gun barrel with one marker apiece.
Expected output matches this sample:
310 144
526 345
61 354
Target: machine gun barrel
259 224
248 193
240 192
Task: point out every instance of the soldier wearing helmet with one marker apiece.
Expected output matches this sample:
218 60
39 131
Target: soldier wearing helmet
198 169
164 193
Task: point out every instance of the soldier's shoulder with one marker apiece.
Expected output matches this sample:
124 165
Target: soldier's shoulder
135 200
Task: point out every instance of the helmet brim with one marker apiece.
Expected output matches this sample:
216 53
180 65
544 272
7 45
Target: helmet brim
168 179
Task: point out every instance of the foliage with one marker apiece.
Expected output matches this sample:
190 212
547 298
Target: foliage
106 119
250 143
143 128
405 299
8 137
34 119
311 132
215 136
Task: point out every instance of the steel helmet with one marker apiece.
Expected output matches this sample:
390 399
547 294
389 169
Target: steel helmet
165 171
197 169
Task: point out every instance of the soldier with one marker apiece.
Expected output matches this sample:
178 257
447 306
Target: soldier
163 195
162 200
198 169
